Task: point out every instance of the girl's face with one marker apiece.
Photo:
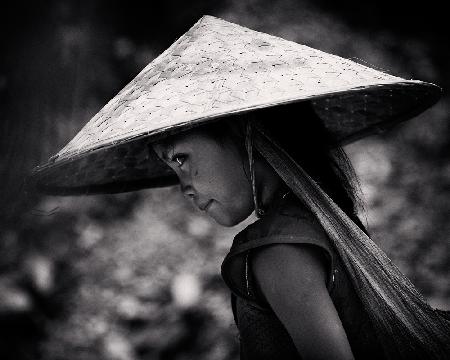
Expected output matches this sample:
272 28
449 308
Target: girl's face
212 174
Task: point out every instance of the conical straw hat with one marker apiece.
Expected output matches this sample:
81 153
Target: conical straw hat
216 69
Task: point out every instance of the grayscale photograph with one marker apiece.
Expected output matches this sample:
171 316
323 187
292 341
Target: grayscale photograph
224 180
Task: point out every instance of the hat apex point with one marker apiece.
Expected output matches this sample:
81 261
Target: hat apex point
207 16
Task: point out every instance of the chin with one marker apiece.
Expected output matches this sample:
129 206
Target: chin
227 220
226 223
222 220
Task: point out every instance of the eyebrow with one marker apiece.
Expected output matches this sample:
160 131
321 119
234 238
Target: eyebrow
165 155
165 151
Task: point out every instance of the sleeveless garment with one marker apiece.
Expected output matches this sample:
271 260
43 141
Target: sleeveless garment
262 335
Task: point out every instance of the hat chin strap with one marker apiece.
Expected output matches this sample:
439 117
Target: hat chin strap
259 211
407 326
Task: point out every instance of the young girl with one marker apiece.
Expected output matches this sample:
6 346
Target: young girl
281 269
306 280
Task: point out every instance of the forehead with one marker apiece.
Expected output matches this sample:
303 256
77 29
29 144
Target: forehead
188 140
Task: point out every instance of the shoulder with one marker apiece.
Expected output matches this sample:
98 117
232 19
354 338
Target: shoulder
291 224
289 270
287 235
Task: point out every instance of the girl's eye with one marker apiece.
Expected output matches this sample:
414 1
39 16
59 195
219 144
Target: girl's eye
179 159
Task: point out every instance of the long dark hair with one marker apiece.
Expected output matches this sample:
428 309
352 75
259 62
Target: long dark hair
302 134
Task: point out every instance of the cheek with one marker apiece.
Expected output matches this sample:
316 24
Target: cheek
233 193
223 181
235 180
219 175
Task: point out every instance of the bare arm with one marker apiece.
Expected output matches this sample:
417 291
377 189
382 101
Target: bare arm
293 280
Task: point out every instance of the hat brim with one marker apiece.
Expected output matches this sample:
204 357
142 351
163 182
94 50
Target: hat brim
131 164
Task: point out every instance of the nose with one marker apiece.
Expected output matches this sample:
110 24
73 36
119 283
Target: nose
188 191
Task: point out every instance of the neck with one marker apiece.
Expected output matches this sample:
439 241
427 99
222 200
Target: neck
268 184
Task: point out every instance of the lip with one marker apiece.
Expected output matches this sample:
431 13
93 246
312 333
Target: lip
206 206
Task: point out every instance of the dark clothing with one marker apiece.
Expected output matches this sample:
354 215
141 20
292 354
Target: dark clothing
262 335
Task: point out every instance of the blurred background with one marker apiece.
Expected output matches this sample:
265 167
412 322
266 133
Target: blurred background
137 275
